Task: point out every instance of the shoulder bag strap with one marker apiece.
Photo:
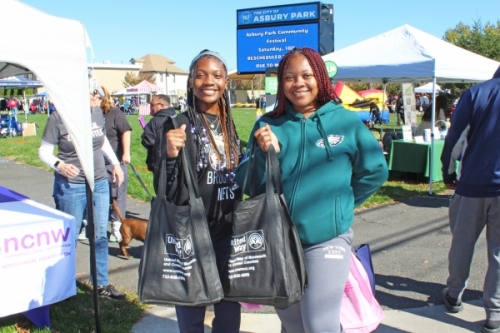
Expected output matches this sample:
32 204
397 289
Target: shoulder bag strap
252 164
162 186
273 174
192 189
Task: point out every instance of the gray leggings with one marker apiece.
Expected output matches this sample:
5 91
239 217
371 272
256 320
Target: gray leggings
318 311
468 217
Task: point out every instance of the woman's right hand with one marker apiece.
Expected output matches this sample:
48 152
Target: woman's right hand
265 137
67 170
176 139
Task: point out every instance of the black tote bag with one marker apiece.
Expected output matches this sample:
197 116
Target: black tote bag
266 263
178 264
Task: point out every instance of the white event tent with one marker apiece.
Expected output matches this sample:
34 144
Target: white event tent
406 54
61 65
427 88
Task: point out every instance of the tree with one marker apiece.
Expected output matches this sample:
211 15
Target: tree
358 86
131 79
483 40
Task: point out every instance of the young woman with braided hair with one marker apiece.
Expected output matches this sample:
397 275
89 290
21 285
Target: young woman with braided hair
207 132
330 163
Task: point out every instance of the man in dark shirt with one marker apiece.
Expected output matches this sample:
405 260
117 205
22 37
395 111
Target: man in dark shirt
473 139
160 110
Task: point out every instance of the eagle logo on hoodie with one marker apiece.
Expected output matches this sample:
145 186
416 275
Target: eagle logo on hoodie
333 140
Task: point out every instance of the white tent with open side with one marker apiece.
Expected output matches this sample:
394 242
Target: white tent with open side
427 88
406 54
61 65
144 87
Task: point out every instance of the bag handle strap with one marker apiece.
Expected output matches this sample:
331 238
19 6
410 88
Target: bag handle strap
192 189
252 164
162 188
273 174
160 149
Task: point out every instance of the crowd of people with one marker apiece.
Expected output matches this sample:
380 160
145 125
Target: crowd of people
12 105
310 130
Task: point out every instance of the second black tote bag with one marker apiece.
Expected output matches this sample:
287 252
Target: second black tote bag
178 263
266 262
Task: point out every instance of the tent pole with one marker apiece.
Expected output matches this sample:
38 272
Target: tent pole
260 102
26 106
93 265
433 120
384 82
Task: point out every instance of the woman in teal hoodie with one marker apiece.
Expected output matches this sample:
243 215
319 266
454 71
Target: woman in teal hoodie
330 163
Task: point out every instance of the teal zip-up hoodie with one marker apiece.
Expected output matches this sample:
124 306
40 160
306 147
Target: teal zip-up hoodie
322 183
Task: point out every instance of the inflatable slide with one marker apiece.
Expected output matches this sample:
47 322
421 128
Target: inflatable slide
359 102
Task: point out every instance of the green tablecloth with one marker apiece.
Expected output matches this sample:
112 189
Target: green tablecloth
408 156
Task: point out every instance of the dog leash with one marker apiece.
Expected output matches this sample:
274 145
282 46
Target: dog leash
140 181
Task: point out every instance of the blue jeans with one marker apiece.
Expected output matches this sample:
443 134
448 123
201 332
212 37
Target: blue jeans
227 314
71 199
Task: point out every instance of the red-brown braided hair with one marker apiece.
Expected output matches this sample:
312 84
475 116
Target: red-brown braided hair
325 88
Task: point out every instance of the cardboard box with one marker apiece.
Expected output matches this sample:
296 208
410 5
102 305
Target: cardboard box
29 129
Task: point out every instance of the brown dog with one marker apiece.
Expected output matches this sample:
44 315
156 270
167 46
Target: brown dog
132 228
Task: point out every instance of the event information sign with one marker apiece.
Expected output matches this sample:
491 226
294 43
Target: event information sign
410 109
264 35
264 47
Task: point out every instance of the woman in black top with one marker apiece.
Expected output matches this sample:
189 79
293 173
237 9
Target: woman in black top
207 132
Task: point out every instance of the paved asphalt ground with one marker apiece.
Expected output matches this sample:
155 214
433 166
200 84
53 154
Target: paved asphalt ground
409 242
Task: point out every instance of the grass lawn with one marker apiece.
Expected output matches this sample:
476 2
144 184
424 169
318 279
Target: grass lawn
77 313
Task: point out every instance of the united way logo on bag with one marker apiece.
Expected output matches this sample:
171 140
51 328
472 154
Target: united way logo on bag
250 241
181 247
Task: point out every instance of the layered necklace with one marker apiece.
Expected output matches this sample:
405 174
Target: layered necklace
212 123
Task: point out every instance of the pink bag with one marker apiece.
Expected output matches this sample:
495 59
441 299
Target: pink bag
360 311
251 307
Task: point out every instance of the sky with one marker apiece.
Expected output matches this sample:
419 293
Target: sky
179 29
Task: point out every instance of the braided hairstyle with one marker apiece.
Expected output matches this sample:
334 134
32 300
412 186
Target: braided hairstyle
198 120
326 92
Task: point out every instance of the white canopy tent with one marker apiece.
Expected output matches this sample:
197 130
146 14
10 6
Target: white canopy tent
144 87
61 66
427 88
406 54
